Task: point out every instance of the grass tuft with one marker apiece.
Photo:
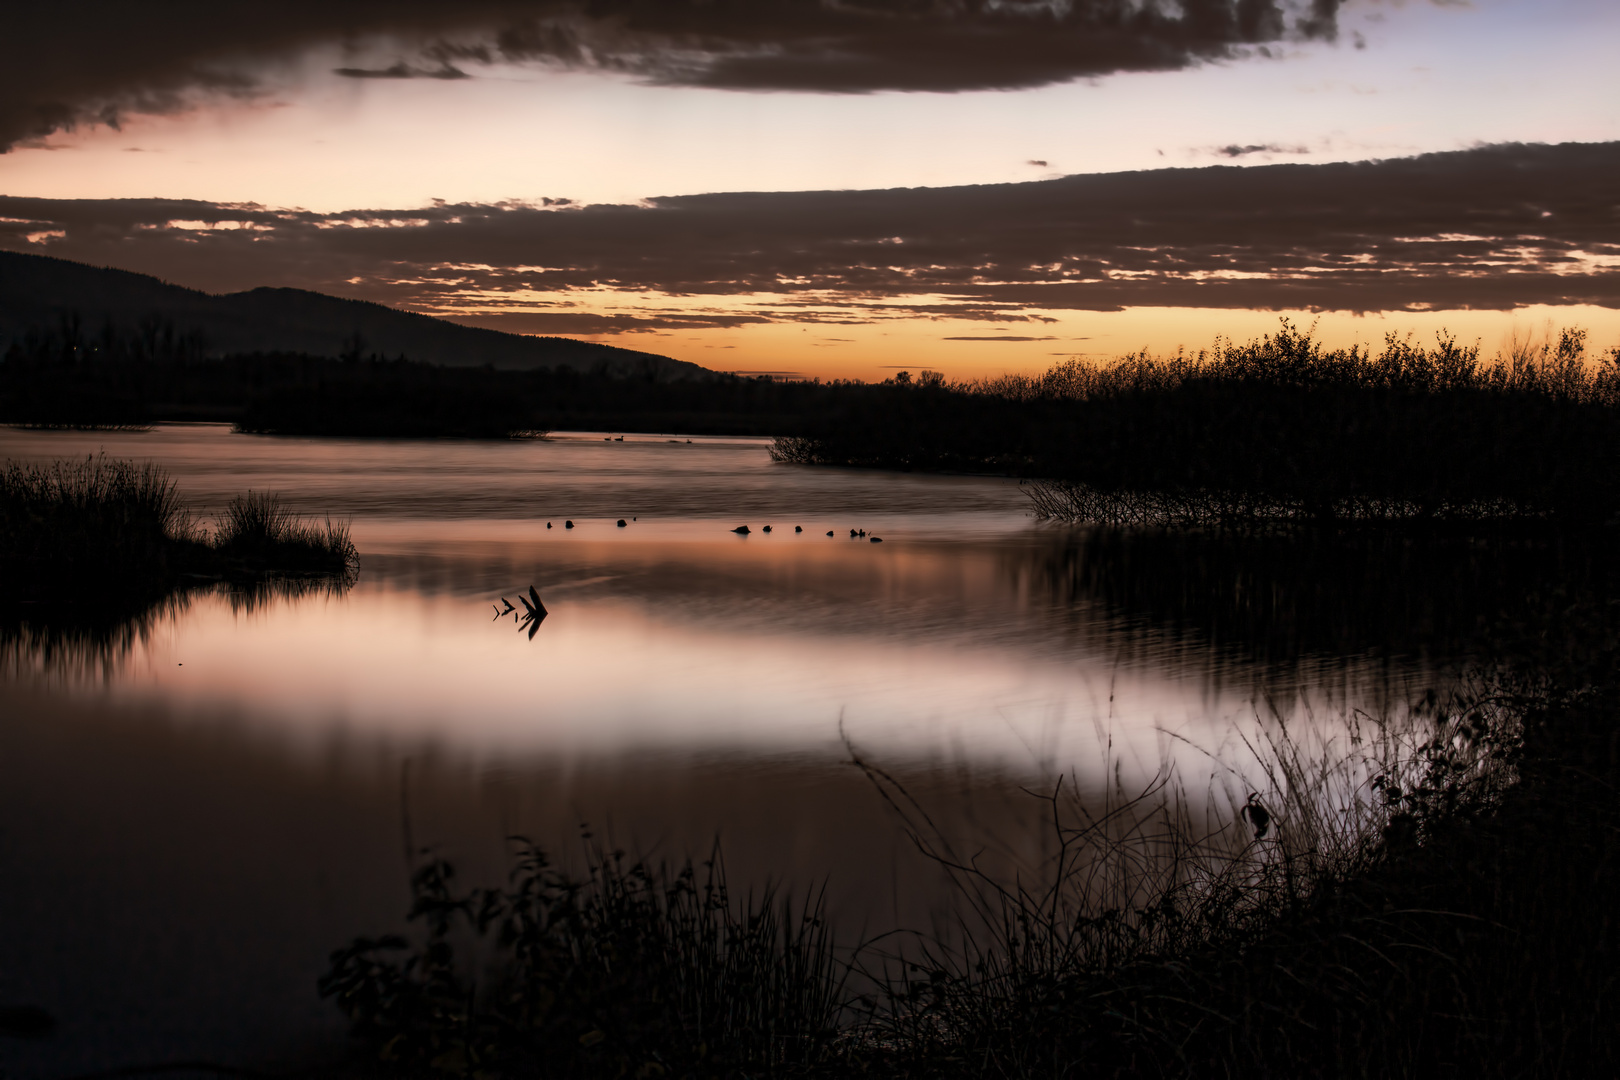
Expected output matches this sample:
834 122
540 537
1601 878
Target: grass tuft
261 528
95 541
631 971
97 526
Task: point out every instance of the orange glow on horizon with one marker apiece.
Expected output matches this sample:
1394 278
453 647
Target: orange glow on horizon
872 351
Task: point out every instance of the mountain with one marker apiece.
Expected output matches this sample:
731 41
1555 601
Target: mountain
37 292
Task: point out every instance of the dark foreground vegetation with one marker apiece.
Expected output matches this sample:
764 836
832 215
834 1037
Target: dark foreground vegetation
102 538
1446 913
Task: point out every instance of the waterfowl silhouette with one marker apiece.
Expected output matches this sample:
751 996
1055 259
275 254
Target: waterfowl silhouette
877 539
569 524
798 528
829 532
548 524
621 523
742 530
766 529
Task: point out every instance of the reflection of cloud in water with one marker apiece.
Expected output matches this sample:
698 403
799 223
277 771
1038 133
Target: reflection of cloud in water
78 644
923 654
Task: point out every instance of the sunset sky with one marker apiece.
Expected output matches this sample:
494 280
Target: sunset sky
843 187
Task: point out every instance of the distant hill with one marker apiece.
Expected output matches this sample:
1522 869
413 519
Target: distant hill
37 292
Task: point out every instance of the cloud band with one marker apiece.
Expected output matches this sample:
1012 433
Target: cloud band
77 62
1495 227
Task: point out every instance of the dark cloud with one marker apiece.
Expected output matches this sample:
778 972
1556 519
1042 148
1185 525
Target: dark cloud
76 62
1236 151
1000 337
590 323
401 70
1494 227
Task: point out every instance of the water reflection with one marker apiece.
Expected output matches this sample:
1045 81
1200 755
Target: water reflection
81 644
920 651
1276 599
220 776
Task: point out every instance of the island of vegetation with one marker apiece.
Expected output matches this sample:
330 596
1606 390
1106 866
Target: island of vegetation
93 542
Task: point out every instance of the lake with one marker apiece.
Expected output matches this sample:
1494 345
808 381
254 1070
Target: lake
193 813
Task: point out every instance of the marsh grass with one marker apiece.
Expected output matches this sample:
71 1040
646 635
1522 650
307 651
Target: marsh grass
95 553
1110 954
103 527
1276 430
259 528
632 970
93 550
1140 934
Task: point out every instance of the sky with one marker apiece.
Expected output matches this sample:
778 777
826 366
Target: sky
841 188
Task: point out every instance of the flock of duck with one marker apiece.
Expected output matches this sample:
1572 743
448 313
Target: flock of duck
534 612
744 530
854 534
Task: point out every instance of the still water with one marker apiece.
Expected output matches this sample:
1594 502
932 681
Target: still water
195 813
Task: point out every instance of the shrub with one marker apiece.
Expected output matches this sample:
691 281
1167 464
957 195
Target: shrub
632 971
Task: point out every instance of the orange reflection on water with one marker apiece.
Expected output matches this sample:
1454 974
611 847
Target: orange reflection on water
914 652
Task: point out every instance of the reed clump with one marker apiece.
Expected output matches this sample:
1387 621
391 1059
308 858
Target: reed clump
1304 935
1145 943
104 536
101 524
259 528
1280 429
630 970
